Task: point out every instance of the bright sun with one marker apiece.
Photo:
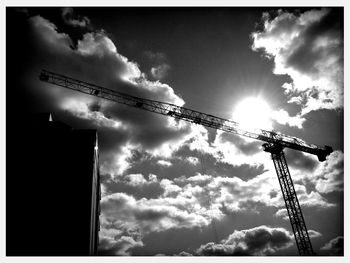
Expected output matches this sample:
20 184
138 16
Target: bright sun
253 112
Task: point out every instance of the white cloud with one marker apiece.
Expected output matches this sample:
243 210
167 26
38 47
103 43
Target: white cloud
164 163
118 162
325 177
135 179
153 178
81 108
170 189
312 198
192 160
199 178
282 117
282 213
160 71
314 234
309 48
71 19
258 241
46 35
150 214
99 44
197 200
328 177
235 193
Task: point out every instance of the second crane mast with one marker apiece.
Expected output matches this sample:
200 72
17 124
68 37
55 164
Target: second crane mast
274 142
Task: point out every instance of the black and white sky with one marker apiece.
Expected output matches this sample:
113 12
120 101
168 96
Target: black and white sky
174 188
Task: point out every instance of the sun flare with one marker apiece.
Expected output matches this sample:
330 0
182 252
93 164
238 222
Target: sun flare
253 112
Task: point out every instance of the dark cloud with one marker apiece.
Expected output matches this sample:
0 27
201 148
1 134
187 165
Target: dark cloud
70 18
335 247
299 160
262 240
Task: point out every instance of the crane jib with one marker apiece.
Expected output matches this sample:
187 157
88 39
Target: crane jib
186 114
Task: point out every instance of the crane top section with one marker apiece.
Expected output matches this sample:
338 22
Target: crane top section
272 138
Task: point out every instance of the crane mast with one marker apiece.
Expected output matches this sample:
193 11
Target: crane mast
275 142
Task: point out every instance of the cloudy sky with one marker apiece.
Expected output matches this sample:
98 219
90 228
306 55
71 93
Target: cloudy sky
174 188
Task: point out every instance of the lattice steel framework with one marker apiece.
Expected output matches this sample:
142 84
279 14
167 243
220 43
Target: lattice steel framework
183 113
275 142
295 214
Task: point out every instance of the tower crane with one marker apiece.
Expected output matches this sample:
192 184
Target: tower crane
274 142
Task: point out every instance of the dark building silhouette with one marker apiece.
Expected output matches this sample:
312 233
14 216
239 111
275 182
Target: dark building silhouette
52 190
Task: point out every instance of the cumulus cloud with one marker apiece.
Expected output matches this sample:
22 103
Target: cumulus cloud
258 241
329 175
334 247
185 202
309 48
135 179
196 201
95 59
324 177
70 18
116 239
150 214
312 198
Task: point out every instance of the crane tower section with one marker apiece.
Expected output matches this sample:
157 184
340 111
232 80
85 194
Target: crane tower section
295 214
